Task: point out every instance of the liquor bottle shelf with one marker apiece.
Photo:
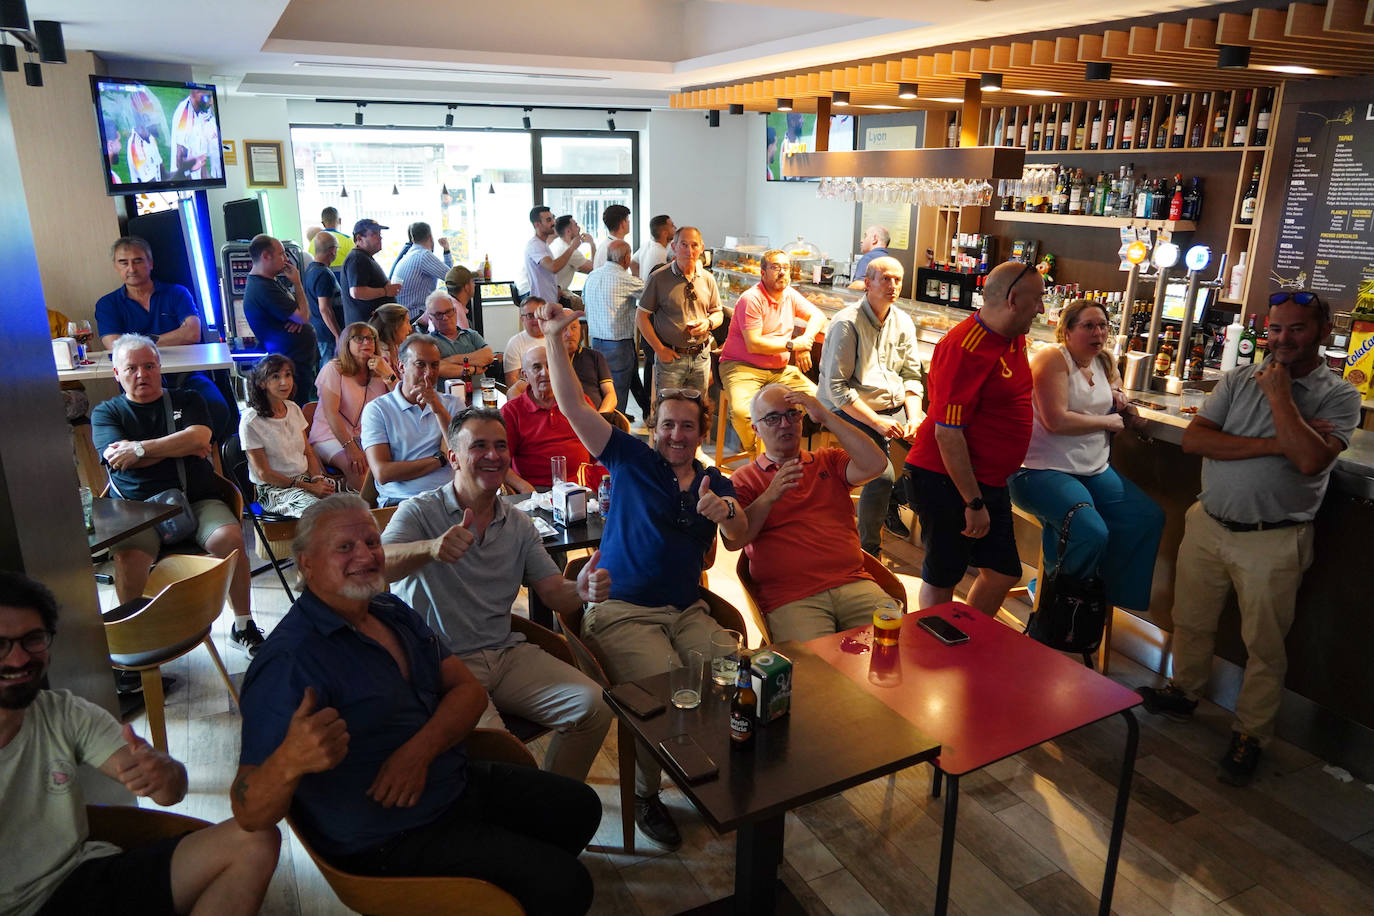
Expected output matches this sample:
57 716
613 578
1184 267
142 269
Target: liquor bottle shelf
1190 150
1171 225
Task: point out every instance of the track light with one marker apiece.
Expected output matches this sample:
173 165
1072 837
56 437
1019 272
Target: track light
526 119
784 104
395 191
1097 71
713 117
610 119
343 190
990 82
33 74
448 118
14 16
736 109
1233 57
444 190
491 188
840 99
48 34
9 58
358 115
907 90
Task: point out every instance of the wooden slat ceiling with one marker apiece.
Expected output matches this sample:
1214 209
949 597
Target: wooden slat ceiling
1331 39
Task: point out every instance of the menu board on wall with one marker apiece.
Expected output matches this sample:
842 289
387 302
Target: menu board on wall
896 218
1326 227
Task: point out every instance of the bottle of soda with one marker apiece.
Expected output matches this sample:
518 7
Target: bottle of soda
603 496
467 383
743 708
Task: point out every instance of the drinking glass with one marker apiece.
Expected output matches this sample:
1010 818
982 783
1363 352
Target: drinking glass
1190 401
558 465
489 393
887 622
725 645
684 680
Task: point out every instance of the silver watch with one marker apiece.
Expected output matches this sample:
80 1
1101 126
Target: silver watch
139 450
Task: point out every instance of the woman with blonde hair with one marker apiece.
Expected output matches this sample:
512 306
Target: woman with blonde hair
1078 406
346 384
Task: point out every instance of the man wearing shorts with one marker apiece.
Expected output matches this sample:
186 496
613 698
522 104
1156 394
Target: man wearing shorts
51 863
132 436
973 439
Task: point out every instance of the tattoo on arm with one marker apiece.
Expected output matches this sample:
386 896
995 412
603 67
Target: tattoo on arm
240 791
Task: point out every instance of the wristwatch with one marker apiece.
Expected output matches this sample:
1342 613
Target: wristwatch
731 504
139 450
976 504
790 344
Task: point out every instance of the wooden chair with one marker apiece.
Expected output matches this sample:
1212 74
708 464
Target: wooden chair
368 491
129 827
383 516
722 611
887 580
725 459
184 596
274 531
386 896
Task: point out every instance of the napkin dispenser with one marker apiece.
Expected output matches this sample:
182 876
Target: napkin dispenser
569 503
65 353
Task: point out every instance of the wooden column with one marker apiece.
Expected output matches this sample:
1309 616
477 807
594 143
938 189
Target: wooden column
823 124
972 113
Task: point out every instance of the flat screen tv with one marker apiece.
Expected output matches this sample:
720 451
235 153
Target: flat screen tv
793 132
1175 293
157 136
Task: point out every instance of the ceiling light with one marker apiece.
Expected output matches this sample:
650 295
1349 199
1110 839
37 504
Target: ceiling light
990 82
14 16
1034 92
736 109
884 107
841 99
358 115
33 74
526 119
1233 57
491 188
9 58
784 104
950 100
1289 68
1145 82
907 90
48 34
1096 71
448 118
343 191
395 191
610 119
447 71
444 190
713 117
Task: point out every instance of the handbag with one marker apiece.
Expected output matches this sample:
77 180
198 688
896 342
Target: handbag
181 526
1072 611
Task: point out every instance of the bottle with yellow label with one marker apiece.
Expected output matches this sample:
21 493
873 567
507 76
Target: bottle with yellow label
1359 365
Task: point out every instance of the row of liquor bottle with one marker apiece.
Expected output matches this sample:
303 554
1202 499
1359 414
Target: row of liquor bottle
1192 120
1208 345
1120 195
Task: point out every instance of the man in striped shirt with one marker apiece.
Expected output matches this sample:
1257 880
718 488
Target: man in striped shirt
974 438
610 295
419 270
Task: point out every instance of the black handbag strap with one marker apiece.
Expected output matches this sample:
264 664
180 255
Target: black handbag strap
171 431
1064 528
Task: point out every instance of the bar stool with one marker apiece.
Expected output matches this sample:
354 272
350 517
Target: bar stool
724 460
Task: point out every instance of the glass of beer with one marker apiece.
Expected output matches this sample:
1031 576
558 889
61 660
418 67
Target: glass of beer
489 393
887 622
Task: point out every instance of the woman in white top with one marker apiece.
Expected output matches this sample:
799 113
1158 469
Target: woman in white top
1078 405
272 430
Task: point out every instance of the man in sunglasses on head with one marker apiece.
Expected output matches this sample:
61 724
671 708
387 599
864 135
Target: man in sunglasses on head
1268 436
803 548
663 520
678 309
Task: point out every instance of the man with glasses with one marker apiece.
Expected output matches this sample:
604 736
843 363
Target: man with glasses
456 345
973 439
530 335
52 865
678 310
870 375
663 520
803 548
1268 435
403 431
760 349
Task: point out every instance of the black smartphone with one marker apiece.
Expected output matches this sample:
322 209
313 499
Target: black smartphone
637 700
694 763
943 630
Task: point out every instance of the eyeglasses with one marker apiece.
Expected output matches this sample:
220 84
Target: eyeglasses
444 314
34 641
776 419
686 508
1301 297
690 394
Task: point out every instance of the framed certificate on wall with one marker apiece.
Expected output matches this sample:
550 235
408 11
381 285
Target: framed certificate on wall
265 163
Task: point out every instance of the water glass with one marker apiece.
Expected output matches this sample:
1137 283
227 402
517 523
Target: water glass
558 466
87 508
725 646
684 680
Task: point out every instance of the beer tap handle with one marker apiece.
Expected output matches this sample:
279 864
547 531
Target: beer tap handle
1220 279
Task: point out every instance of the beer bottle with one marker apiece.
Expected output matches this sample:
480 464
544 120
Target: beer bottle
1197 357
486 267
467 383
743 708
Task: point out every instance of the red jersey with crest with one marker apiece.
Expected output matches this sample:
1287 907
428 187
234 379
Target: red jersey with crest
980 382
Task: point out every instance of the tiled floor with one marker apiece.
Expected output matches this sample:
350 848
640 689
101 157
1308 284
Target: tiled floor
1032 830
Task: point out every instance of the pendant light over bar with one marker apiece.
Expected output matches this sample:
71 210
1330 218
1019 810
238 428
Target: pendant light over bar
907 90
990 82
840 99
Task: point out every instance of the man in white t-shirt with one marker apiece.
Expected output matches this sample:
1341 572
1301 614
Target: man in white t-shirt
617 220
529 336
655 251
145 159
541 266
45 736
195 136
570 238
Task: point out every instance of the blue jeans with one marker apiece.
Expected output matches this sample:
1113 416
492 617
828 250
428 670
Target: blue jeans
1116 536
876 495
624 364
685 372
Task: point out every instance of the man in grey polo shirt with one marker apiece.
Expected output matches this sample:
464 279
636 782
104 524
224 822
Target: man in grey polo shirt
1268 435
458 556
678 310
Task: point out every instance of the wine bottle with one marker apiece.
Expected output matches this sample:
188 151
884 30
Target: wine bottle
1250 202
1110 138
1195 134
1095 137
1039 130
1076 194
1024 139
1128 127
1143 129
1065 128
1262 122
1241 132
1180 132
1219 121
1161 128
1080 130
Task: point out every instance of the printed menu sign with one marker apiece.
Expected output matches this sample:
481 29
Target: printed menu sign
1326 227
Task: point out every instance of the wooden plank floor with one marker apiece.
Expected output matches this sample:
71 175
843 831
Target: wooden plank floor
1032 833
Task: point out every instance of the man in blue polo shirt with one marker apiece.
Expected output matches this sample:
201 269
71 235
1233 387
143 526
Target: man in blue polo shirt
662 522
403 431
355 717
165 313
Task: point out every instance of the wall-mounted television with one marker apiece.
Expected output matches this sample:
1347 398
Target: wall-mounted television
157 136
793 132
1174 295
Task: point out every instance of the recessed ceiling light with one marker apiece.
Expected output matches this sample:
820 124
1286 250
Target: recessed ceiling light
952 101
990 82
784 104
907 90
1036 92
1287 68
884 107
840 98
1136 82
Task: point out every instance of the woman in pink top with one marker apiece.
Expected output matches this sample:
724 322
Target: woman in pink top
346 383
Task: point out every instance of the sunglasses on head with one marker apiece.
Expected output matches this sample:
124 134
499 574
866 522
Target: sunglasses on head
690 394
1301 297
1025 270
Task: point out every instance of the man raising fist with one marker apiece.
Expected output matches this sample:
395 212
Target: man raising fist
371 755
662 523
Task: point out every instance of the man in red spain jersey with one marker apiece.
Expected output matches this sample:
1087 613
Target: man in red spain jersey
973 439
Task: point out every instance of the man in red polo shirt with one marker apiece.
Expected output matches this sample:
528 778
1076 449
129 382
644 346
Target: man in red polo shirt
803 546
536 430
973 439
760 349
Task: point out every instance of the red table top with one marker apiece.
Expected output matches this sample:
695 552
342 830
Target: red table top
989 698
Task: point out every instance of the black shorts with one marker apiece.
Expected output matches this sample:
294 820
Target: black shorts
940 510
136 882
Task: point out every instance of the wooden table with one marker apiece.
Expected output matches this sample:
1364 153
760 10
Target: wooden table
835 737
190 358
577 536
992 697
116 519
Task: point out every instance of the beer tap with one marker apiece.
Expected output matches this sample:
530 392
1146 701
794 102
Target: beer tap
1165 256
1196 260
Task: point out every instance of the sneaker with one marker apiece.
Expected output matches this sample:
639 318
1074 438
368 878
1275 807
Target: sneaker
248 640
894 522
1167 700
130 683
1237 767
654 821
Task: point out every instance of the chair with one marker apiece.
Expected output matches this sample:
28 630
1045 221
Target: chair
383 516
368 491
722 611
184 596
405 896
887 580
308 411
130 828
723 458
270 527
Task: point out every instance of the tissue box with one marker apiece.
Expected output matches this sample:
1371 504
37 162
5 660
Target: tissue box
569 503
771 673
64 352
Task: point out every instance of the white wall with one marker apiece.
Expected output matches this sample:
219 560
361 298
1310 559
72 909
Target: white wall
694 173
783 210
246 117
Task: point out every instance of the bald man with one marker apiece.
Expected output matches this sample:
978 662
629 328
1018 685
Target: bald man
323 295
873 245
610 295
973 439
536 431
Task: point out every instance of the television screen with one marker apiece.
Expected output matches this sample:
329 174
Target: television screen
793 132
157 136
1175 293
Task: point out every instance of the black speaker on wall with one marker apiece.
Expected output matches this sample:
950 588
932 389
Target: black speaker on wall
243 219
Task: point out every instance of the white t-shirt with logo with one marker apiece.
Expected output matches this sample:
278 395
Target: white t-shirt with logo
44 811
